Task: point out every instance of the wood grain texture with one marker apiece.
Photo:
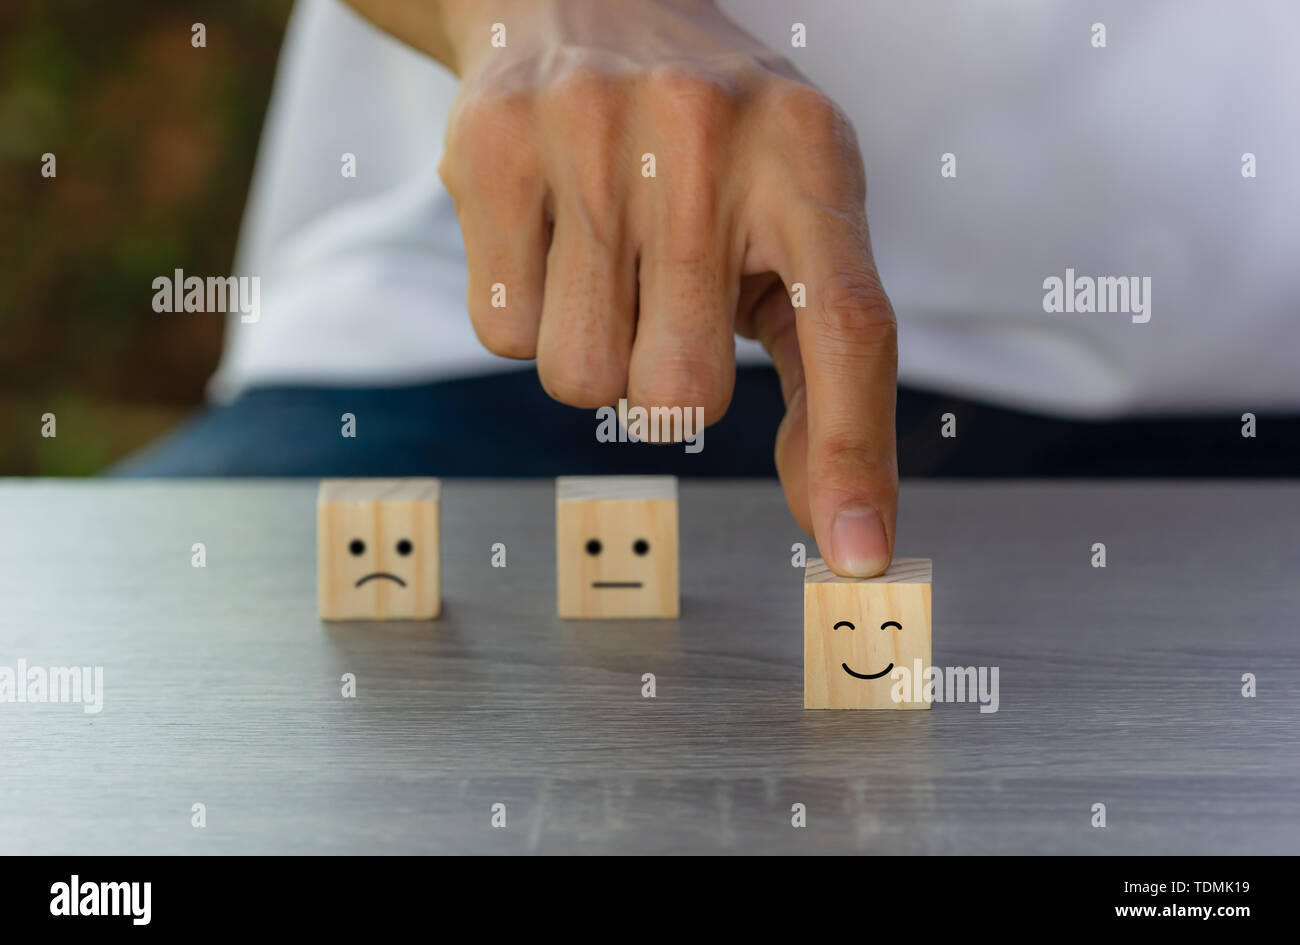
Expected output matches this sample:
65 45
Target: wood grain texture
867 626
901 571
617 557
378 549
584 488
414 489
1120 685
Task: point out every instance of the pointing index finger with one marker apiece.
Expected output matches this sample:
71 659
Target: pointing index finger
848 340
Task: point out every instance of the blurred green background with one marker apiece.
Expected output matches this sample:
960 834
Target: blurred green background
154 141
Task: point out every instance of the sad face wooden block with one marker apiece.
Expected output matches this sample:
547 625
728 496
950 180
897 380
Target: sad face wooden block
856 631
377 549
616 546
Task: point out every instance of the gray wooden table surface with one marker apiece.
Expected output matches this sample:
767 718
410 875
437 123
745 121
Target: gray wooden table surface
1119 686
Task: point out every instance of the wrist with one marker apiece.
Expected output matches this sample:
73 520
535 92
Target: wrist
464 29
442 29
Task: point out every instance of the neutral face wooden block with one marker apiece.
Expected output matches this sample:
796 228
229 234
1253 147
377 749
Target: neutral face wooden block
377 554
616 546
856 631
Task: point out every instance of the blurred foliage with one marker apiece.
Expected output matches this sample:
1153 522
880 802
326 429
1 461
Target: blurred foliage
154 141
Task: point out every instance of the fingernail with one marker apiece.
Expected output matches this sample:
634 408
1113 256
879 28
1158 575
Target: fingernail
858 544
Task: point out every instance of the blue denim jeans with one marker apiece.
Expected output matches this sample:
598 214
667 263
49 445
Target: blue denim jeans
500 425
504 425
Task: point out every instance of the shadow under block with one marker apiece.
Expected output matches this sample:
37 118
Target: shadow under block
856 627
616 546
377 552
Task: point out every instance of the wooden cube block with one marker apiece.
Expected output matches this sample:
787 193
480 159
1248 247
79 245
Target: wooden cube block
377 555
616 546
857 631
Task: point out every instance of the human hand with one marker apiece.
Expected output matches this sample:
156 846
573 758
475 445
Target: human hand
625 285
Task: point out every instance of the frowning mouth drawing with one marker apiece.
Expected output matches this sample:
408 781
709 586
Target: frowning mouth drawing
380 574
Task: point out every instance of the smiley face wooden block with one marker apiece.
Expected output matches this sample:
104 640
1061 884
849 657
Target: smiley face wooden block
377 555
856 631
616 546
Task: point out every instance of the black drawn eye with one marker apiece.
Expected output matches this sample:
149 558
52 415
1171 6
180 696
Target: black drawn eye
641 546
845 624
891 623
593 546
404 547
357 547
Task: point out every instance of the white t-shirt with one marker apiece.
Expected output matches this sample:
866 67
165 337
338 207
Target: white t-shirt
1122 160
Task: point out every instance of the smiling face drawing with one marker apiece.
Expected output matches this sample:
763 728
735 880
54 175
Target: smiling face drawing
378 550
859 633
887 625
616 557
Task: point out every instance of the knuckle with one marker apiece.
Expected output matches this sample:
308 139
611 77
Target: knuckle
856 310
487 137
506 337
698 97
580 377
585 110
695 112
832 161
596 193
679 380
692 240
844 456
586 101
809 112
484 117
